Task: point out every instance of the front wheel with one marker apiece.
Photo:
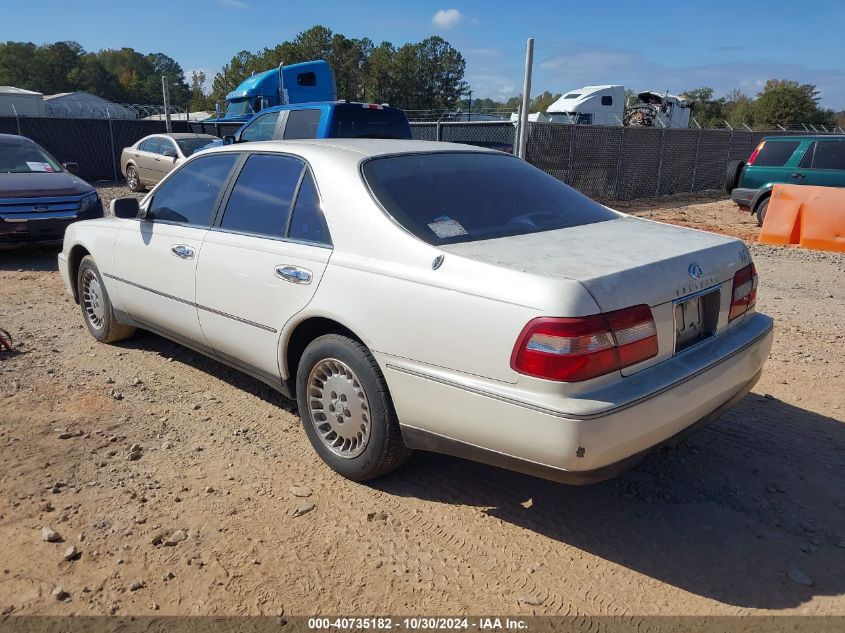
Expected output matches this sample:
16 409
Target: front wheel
96 307
761 211
346 409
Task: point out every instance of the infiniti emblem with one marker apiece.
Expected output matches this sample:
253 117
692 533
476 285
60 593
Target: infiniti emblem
695 271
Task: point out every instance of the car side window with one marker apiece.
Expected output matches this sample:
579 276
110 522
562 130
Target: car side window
261 199
189 195
308 222
302 123
261 129
150 145
829 155
166 144
775 153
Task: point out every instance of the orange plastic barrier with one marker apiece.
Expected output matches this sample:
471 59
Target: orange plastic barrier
807 216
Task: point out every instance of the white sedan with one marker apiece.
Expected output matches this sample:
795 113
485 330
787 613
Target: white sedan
414 295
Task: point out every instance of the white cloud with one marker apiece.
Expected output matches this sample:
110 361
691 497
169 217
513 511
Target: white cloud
233 4
447 18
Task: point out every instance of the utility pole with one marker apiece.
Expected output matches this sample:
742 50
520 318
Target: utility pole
526 99
469 106
165 92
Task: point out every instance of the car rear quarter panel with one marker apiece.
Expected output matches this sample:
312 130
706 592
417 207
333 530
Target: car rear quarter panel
380 282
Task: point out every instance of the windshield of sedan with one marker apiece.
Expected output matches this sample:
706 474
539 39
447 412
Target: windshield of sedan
190 145
25 157
447 198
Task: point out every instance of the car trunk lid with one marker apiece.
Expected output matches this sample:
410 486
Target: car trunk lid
621 262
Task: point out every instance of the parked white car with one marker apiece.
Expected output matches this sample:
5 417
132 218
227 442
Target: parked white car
431 296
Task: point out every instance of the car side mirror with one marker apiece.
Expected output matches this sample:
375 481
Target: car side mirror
126 208
73 168
229 139
169 153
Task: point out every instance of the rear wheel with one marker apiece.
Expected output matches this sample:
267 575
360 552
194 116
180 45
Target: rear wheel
133 181
762 207
346 409
732 174
96 307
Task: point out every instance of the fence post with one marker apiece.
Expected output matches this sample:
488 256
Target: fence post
113 157
695 163
569 178
730 146
439 131
618 189
660 162
17 119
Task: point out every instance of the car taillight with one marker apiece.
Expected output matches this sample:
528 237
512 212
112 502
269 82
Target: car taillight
744 291
579 348
756 151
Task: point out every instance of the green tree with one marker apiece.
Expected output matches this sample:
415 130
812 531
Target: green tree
16 64
542 102
378 81
199 101
787 102
709 112
425 75
90 75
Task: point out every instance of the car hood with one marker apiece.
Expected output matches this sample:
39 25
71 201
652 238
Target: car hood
621 262
42 185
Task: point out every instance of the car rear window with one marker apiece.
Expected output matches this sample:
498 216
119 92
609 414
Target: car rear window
191 145
361 121
453 197
775 153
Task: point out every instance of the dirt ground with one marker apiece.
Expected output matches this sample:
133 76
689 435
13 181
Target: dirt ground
747 517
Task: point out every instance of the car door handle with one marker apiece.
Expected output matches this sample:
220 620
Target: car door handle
180 250
799 176
293 274
157 159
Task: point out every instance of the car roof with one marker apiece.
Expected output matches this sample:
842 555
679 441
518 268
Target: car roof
362 147
178 135
326 104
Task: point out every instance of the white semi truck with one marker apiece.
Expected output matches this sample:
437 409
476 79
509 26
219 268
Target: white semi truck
605 105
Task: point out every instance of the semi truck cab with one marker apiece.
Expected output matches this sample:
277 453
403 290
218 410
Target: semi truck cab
297 83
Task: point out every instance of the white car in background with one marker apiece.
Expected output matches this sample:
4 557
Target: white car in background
434 296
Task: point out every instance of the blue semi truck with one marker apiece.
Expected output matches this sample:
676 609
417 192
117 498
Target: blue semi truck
306 82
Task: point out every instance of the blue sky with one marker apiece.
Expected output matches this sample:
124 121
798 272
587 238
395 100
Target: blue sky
644 45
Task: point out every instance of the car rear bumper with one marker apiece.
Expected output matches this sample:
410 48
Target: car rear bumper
595 435
744 197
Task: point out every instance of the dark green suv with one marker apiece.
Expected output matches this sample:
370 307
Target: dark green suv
795 160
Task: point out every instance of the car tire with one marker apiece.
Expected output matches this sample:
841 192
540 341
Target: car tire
339 383
133 180
732 174
760 211
97 311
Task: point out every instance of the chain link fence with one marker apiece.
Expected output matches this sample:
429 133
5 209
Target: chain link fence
614 163
95 144
604 162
